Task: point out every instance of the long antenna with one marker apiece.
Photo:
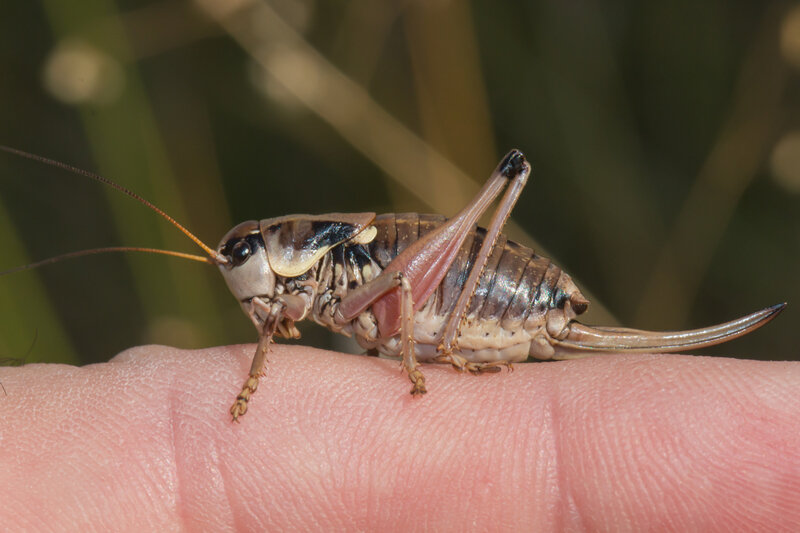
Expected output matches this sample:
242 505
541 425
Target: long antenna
93 251
216 257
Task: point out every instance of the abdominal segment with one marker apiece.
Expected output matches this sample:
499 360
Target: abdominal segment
522 301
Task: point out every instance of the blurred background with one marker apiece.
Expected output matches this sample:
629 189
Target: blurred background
664 136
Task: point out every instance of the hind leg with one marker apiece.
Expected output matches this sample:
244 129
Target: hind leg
516 169
462 365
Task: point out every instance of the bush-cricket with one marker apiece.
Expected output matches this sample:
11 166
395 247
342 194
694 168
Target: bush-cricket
424 288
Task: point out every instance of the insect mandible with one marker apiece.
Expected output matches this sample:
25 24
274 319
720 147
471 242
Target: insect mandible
425 288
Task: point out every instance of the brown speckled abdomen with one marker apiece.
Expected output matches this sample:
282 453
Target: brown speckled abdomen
520 295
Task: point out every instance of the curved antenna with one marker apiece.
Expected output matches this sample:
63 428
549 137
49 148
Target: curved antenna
216 257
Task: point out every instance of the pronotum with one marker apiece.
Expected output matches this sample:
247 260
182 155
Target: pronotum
425 288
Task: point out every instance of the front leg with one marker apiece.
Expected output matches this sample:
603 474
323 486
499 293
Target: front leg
273 318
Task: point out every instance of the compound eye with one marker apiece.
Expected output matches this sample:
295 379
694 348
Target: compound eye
241 251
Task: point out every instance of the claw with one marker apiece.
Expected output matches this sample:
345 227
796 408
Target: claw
418 380
239 408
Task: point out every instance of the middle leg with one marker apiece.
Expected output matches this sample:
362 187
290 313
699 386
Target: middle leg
366 295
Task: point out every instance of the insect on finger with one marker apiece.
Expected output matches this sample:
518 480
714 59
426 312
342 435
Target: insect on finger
424 288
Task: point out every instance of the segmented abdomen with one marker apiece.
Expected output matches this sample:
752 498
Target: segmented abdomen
515 282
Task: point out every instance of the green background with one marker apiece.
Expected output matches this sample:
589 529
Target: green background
662 136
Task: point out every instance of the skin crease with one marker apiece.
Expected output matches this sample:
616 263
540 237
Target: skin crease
333 441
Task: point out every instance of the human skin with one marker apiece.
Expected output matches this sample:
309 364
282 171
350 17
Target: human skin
335 442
